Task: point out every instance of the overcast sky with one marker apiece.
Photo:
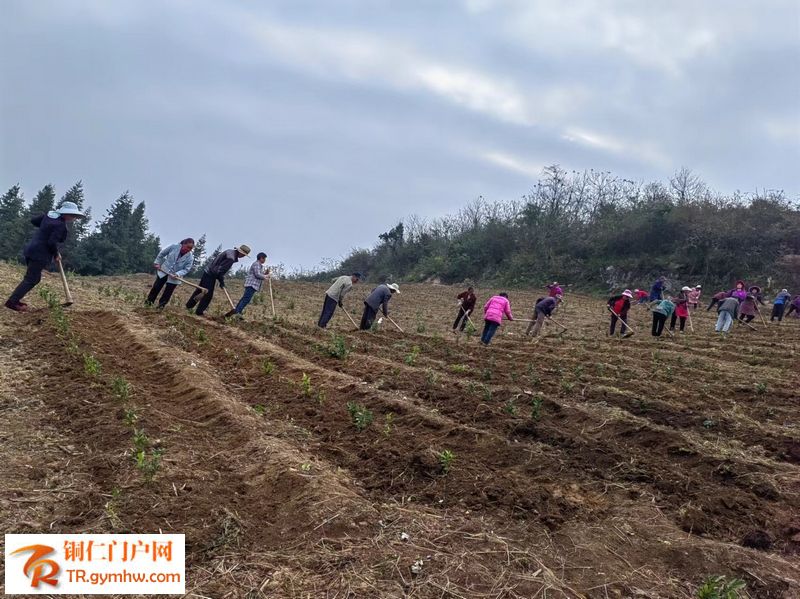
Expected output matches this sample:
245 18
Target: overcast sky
307 128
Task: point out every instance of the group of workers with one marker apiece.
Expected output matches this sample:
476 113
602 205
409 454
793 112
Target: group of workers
174 262
739 304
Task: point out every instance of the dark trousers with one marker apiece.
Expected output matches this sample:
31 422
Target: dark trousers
159 284
368 317
777 312
674 319
208 281
793 308
746 317
31 279
328 309
462 318
489 329
614 319
659 320
713 303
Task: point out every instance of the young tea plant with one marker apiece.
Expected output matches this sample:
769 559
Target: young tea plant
130 417
91 365
121 388
201 336
388 420
536 408
446 459
720 587
412 356
360 415
305 385
338 348
267 367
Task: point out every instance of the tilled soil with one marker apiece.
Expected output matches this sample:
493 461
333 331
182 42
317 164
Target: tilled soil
582 466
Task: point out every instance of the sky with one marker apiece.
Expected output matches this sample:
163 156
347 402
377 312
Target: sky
307 128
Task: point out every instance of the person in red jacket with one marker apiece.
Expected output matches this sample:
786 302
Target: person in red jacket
620 304
717 299
641 296
681 309
466 301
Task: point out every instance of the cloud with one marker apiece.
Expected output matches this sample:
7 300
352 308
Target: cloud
513 163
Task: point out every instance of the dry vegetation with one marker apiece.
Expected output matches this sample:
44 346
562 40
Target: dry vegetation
307 463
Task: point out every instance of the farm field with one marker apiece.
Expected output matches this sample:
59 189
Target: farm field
309 463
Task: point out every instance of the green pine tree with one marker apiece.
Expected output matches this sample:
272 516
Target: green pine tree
13 227
199 255
121 243
43 202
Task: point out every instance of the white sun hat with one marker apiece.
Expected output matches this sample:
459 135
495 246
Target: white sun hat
394 287
684 288
69 208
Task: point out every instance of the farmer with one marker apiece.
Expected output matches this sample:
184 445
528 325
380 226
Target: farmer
641 296
727 311
717 298
661 311
493 312
213 273
252 283
779 305
657 290
379 298
543 309
177 260
334 296
619 305
794 307
554 290
681 312
694 297
43 249
739 291
749 308
466 304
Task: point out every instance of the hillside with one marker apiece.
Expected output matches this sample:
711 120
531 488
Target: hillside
581 465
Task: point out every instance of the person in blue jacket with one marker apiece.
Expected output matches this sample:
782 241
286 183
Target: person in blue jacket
378 299
657 290
42 250
176 259
779 304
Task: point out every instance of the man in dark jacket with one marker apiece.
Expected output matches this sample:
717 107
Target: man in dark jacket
466 301
544 308
213 273
43 249
379 298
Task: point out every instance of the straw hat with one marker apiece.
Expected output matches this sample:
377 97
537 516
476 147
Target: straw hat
243 249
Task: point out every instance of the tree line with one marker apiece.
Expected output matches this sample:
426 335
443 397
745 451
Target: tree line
119 243
595 230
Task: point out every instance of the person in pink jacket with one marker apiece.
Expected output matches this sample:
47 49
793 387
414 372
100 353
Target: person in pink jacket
694 297
493 313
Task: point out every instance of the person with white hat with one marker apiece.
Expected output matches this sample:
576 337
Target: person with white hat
379 298
694 297
779 303
43 249
619 306
214 273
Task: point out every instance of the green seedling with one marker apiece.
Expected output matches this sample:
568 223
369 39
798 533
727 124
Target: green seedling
121 388
338 348
720 587
412 356
360 415
91 365
305 385
446 459
267 367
